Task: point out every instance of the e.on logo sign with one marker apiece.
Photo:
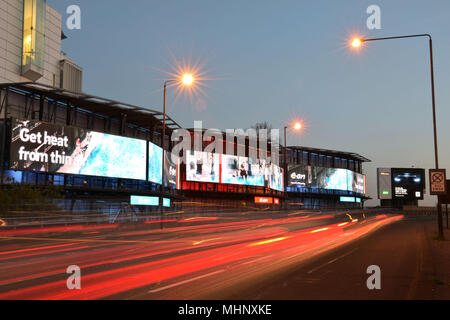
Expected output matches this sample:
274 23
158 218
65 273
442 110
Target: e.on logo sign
266 200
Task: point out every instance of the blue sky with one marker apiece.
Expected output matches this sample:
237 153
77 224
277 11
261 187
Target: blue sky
278 60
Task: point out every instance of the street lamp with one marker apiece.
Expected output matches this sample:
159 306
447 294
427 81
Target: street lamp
356 43
186 79
296 126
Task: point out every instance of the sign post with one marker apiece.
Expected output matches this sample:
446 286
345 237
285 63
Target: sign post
438 186
446 200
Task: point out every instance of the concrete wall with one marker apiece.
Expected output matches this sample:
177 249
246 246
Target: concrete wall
11 34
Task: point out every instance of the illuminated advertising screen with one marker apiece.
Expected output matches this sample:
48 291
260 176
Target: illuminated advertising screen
171 170
408 183
202 166
264 200
347 199
355 182
144 201
154 163
242 170
45 147
326 178
276 178
298 176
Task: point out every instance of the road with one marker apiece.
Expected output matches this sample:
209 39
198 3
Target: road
294 256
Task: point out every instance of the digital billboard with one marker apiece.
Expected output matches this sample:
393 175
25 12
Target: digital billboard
230 169
326 178
298 176
350 199
144 201
276 178
202 166
264 200
45 147
155 154
171 170
243 170
356 182
347 199
408 183
384 185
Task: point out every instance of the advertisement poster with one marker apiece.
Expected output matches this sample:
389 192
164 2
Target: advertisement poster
202 166
298 176
408 183
276 178
243 171
39 146
170 170
155 154
326 178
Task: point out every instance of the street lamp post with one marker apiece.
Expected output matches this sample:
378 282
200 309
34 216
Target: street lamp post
358 42
297 126
186 80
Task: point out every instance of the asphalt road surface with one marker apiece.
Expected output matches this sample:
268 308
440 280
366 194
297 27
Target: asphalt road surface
295 256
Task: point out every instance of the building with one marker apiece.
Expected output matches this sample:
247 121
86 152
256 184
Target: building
107 154
321 178
97 150
311 178
30 46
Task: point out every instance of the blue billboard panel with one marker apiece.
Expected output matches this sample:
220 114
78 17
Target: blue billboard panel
347 199
155 158
46 147
166 202
326 178
144 201
276 178
112 156
242 170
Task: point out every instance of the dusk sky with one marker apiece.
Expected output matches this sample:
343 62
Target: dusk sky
276 61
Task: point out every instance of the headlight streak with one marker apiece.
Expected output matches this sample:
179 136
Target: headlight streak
300 243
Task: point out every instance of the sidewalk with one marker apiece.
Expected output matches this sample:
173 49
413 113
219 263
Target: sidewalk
441 260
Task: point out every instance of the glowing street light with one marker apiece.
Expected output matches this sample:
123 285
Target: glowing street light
187 79
297 126
357 42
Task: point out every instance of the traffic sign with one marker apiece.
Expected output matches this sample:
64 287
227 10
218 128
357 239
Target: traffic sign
438 182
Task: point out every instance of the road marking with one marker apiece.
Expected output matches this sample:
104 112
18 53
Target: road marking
332 261
185 281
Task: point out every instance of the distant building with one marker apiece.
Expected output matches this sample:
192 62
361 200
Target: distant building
30 46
